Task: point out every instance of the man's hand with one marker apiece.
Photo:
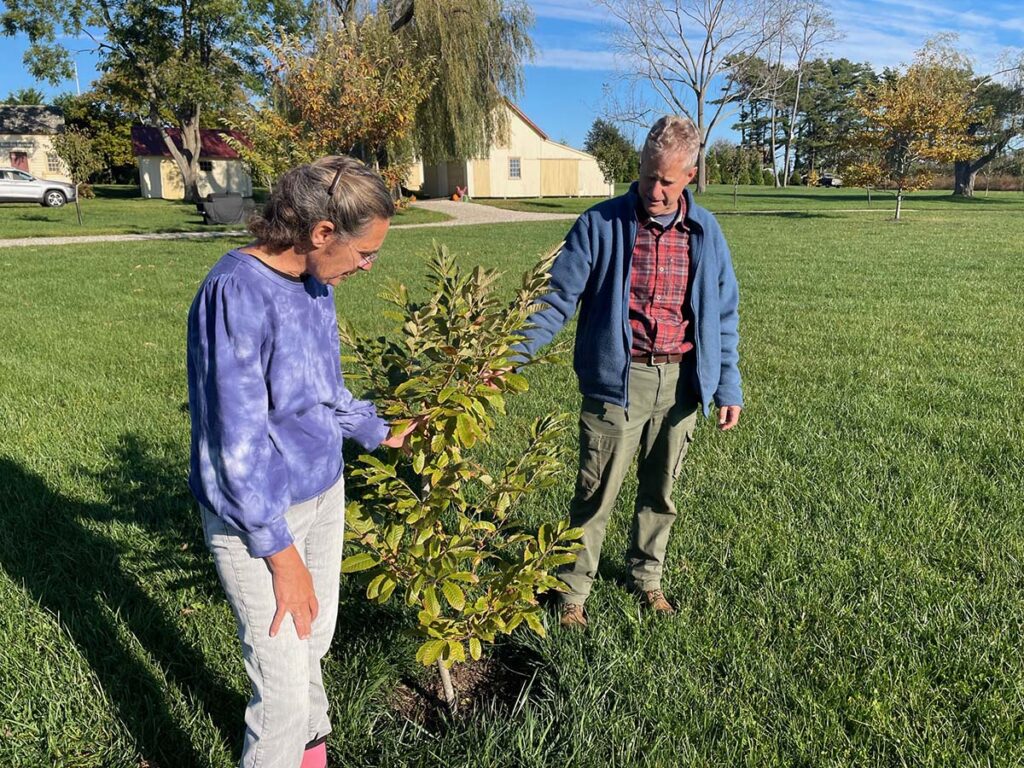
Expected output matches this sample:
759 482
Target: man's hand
728 416
293 591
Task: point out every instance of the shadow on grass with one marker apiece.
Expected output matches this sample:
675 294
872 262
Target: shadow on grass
53 545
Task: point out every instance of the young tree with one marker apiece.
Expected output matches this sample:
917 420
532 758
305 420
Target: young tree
915 119
166 61
434 525
353 91
617 157
109 128
689 53
81 159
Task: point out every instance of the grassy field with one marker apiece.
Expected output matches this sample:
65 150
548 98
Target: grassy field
847 564
719 198
119 210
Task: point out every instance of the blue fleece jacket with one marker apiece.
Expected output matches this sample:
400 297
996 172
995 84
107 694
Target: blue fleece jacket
593 272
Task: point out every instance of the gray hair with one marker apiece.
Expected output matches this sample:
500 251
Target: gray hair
301 199
672 135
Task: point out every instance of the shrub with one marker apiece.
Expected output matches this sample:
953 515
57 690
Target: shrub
433 524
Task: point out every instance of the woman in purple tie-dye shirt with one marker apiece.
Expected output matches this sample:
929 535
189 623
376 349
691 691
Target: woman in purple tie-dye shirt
270 412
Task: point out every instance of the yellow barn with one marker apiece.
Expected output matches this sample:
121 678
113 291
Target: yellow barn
529 164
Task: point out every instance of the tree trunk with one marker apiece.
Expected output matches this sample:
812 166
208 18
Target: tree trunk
899 205
186 158
446 684
702 173
792 123
78 204
964 174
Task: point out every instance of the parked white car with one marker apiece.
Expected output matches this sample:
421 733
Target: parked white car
17 186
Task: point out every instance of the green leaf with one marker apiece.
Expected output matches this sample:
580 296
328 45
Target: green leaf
359 562
445 394
475 649
419 460
430 651
454 595
455 652
533 620
373 588
387 587
430 602
516 382
465 429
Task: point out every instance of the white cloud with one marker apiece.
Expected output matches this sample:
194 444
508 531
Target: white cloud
570 10
569 58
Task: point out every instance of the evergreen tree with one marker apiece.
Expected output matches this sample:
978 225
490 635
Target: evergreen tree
617 157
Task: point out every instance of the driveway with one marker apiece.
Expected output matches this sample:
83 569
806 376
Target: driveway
462 214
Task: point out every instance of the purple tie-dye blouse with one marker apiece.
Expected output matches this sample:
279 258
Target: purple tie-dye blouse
268 402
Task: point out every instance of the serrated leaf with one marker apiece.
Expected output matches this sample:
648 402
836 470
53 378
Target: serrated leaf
373 588
455 652
430 651
430 602
534 622
465 429
358 562
454 595
516 382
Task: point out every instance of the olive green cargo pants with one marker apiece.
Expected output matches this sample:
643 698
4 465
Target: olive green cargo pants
663 407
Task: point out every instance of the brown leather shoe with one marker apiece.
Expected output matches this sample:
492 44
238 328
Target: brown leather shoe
657 602
573 617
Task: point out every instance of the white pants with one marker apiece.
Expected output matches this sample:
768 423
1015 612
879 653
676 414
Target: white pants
288 708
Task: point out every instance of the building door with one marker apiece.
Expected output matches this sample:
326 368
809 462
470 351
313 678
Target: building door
19 160
559 178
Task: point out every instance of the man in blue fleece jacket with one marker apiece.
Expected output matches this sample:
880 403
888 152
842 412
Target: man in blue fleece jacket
656 340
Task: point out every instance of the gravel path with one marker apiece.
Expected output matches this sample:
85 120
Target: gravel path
462 214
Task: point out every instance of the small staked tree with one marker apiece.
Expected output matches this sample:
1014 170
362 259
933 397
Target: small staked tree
80 157
914 120
433 525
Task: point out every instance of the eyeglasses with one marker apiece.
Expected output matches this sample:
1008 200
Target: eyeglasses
334 183
366 260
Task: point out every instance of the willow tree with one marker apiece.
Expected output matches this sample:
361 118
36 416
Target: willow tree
478 50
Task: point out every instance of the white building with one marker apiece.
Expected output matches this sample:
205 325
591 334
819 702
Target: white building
529 164
25 133
220 167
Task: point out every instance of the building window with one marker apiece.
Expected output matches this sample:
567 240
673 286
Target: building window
206 165
515 168
53 163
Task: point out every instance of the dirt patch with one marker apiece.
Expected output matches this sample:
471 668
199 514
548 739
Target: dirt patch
493 683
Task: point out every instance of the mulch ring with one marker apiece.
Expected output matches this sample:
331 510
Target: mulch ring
490 682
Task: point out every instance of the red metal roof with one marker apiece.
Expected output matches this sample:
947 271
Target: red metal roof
147 142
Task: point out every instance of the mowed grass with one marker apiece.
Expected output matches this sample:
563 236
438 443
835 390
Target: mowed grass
120 210
846 564
719 198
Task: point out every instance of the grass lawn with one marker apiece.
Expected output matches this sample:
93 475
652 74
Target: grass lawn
719 198
847 564
119 210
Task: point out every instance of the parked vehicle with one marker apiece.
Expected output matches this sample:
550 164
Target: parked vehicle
17 186
828 180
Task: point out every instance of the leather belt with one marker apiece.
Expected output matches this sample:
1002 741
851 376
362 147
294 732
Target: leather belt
658 358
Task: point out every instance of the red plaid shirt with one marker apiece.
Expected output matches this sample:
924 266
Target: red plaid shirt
660 277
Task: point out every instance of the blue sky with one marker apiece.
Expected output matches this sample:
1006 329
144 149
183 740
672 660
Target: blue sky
564 85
